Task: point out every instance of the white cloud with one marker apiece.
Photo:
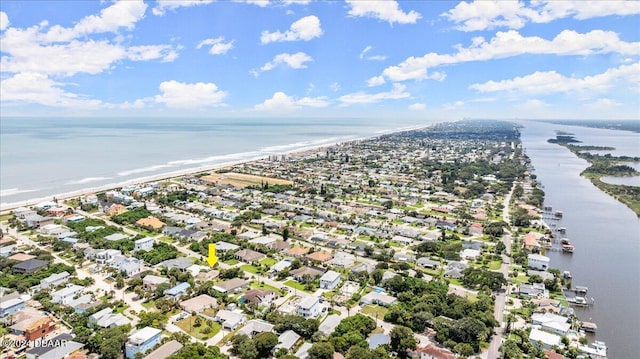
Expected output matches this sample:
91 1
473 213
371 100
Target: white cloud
509 44
387 10
122 14
295 61
297 2
260 3
280 101
604 103
218 45
164 5
418 107
304 29
189 95
487 15
38 88
553 82
335 87
152 52
532 105
452 105
397 92
372 57
4 20
376 81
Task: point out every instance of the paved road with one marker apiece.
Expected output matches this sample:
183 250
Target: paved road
494 347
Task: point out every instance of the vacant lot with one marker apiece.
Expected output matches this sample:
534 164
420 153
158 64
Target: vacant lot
198 327
243 180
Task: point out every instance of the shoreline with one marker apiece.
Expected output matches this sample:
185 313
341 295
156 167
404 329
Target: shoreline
7 207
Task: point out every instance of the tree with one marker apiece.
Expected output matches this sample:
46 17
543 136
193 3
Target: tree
198 351
402 339
285 234
322 350
264 343
377 275
152 319
243 347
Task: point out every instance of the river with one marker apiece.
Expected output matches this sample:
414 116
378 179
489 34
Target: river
605 232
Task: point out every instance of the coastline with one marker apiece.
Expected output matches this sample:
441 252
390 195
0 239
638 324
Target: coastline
7 207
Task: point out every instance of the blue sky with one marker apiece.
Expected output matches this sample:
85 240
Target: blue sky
383 59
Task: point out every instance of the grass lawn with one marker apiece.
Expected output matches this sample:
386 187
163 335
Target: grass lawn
520 279
373 309
149 305
268 262
231 262
249 268
258 285
494 265
559 296
330 294
204 331
295 285
166 239
210 312
120 309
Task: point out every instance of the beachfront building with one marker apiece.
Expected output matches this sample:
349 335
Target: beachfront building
309 307
330 280
144 244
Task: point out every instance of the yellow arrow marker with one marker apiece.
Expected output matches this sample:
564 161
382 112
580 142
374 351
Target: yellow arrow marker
212 259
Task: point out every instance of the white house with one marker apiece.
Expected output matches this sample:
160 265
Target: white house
544 340
551 322
537 261
54 280
65 295
229 320
309 307
142 341
144 244
330 280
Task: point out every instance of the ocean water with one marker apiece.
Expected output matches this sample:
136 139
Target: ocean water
44 157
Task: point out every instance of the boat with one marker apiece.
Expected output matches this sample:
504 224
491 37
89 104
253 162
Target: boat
547 208
566 274
565 241
589 327
558 214
568 248
562 230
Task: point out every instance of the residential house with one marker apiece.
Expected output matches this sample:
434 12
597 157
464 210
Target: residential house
66 294
329 324
116 209
342 260
551 322
142 341
229 320
256 326
181 263
107 319
426 262
10 305
46 349
144 244
287 340
262 297
535 290
297 251
531 241
537 261
320 256
30 266
305 274
226 246
303 351
165 350
54 280
106 256
178 290
433 352
280 266
116 237
405 241
199 303
32 324
151 282
470 254
330 280
309 307
249 256
376 340
378 298
232 285
544 340
129 266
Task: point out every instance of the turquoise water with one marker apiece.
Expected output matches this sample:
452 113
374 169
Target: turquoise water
44 157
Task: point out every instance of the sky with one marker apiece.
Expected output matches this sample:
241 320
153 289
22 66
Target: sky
300 58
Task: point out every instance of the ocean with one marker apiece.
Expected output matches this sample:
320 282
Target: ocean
44 157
